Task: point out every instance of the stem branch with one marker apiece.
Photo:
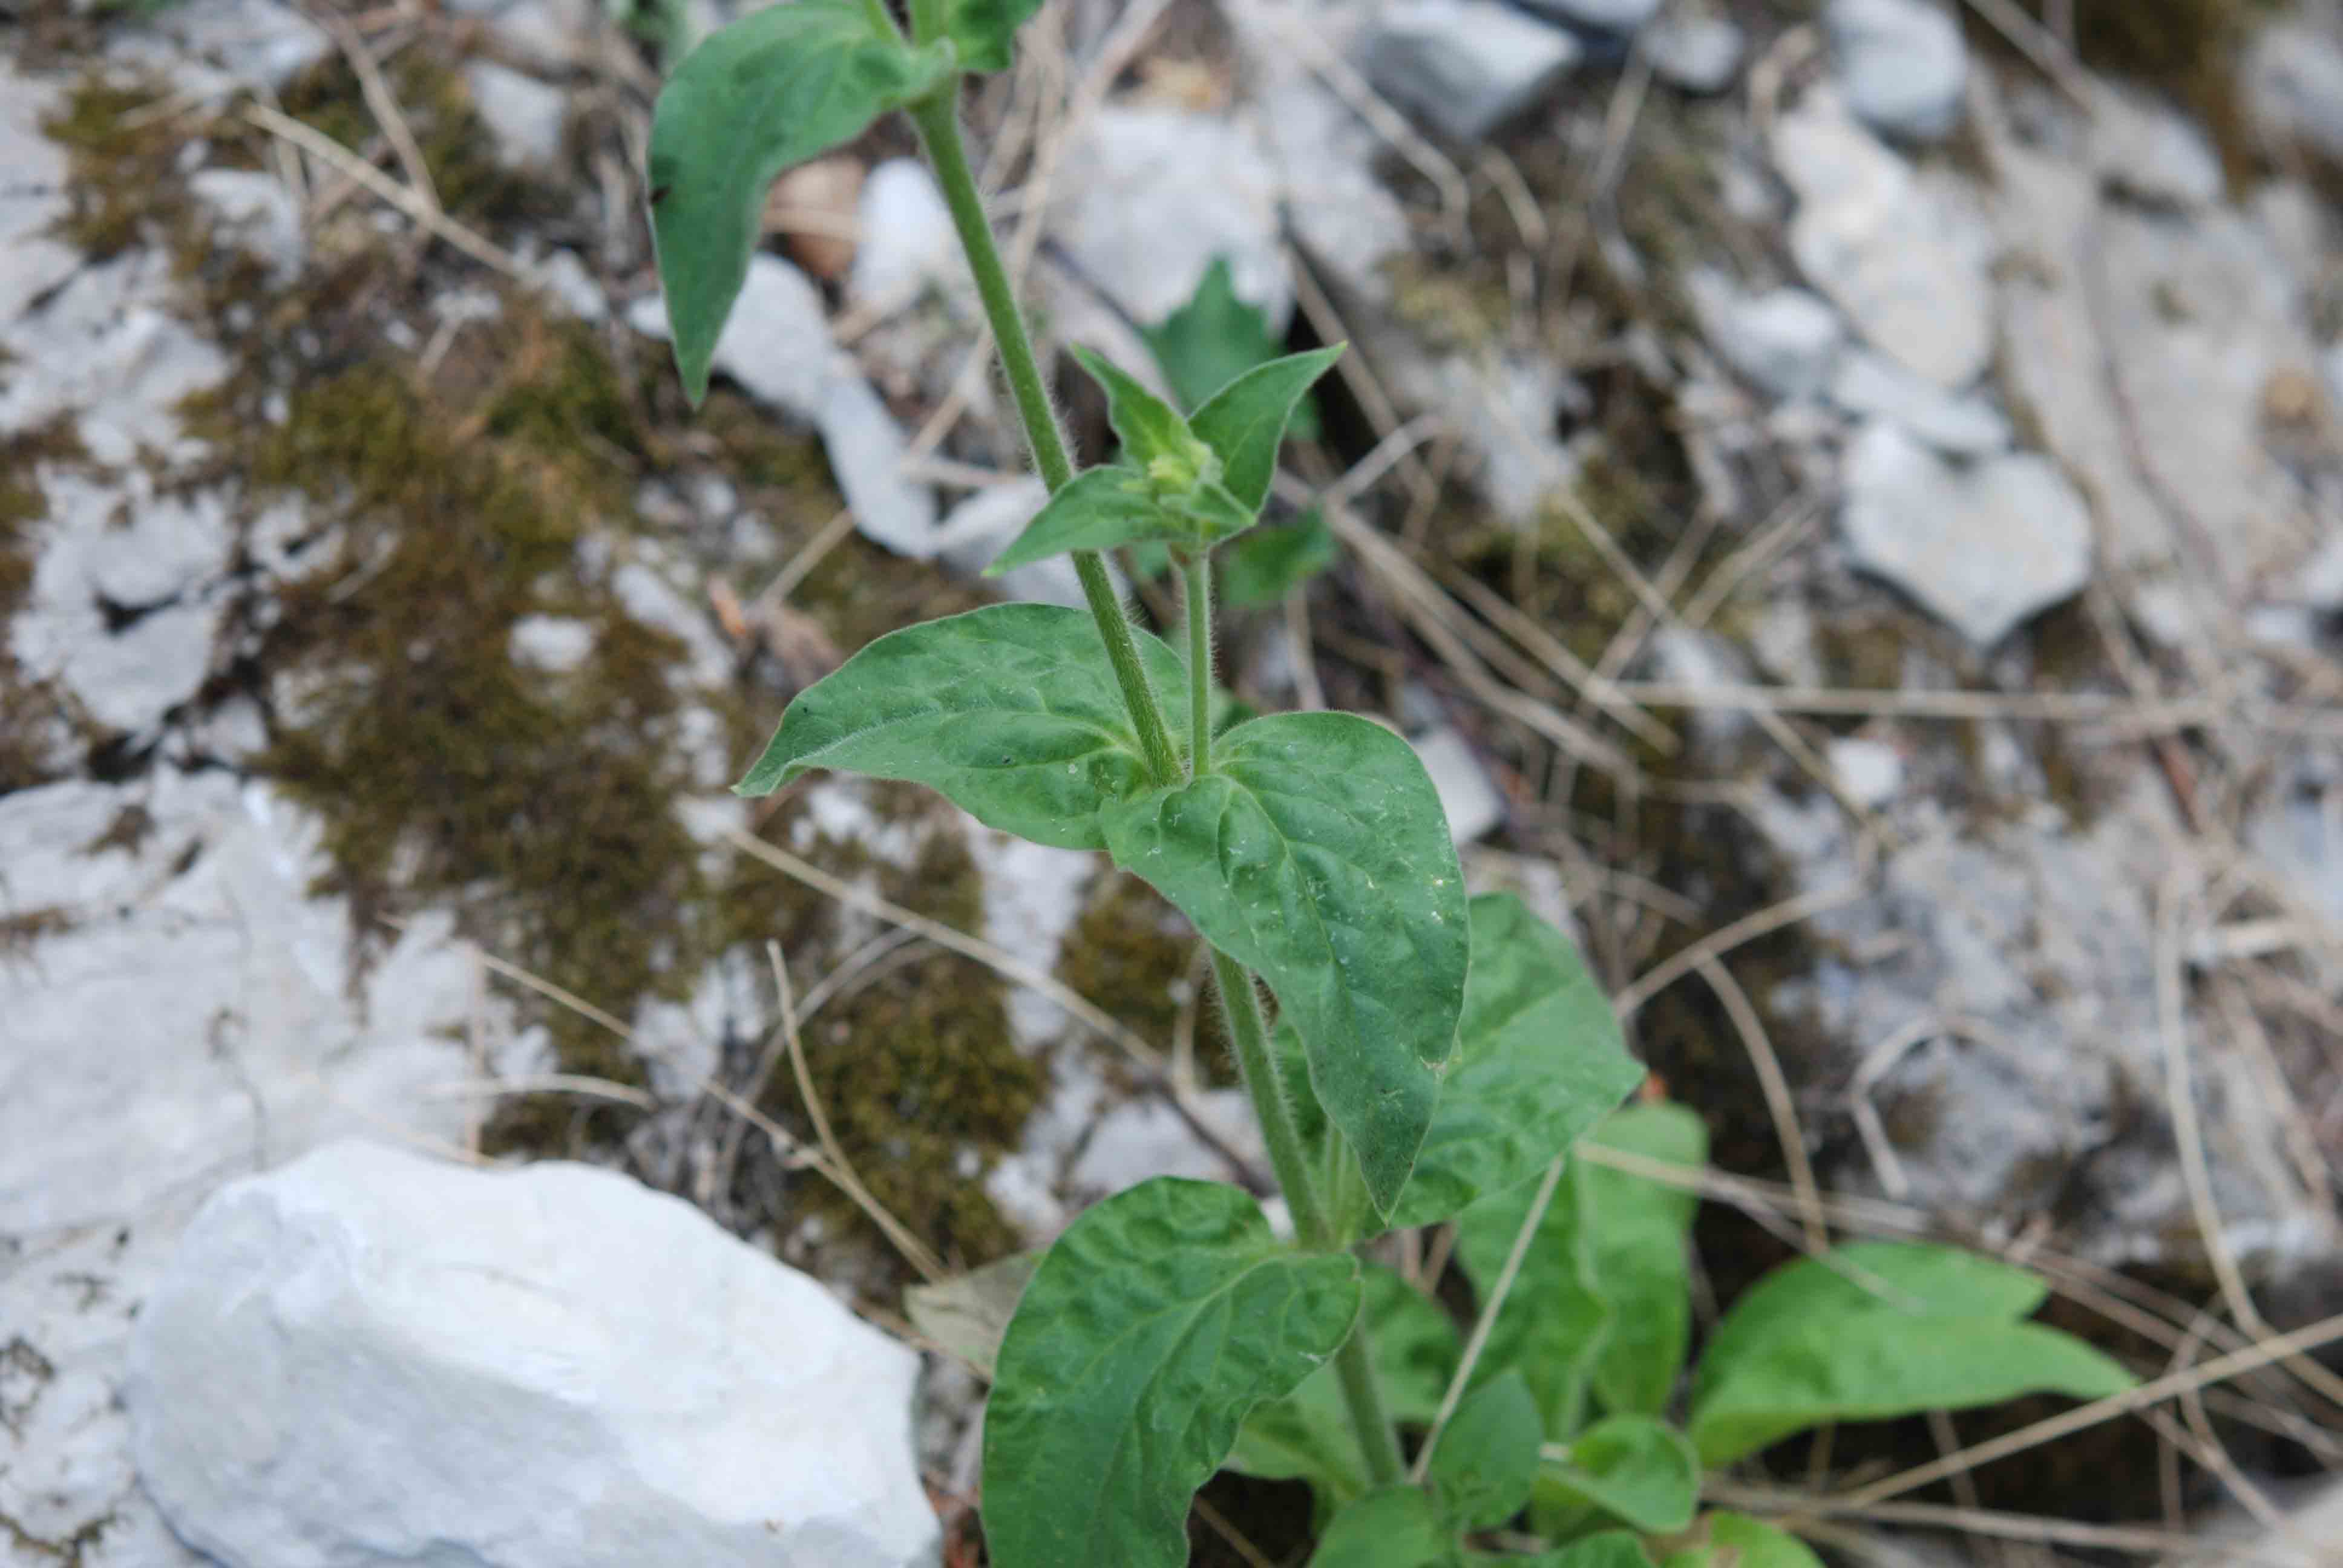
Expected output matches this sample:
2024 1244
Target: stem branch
938 118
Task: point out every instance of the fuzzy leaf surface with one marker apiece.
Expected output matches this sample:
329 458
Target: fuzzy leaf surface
986 30
1011 711
1244 422
775 88
1105 509
1307 1435
1397 1527
1153 1326
1487 1460
1155 440
1539 1062
1316 853
1640 1471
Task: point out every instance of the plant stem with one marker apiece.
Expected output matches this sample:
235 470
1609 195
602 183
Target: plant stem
1196 573
926 19
938 118
1355 1361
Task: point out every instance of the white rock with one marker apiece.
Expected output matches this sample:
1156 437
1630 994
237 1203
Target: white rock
371 1357
259 43
1870 771
908 244
527 117
32 198
982 525
257 213
866 449
1900 257
1901 63
553 644
1471 802
2294 85
1467 66
2319 581
1787 340
2152 152
564 278
1982 548
1604 16
1146 1138
106 350
239 1030
1210 192
1696 54
1964 425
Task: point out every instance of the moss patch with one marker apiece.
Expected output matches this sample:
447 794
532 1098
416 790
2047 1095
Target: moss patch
25 710
1129 952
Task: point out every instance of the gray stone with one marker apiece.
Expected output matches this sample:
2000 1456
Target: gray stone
258 213
2152 153
1472 806
564 280
240 1029
1212 193
908 243
1696 54
1467 66
368 1357
527 117
1901 63
257 42
2294 85
1603 16
866 449
1870 771
2318 583
1902 257
982 525
1786 341
1963 424
555 644
1982 548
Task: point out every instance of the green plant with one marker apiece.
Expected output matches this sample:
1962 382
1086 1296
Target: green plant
1169 1327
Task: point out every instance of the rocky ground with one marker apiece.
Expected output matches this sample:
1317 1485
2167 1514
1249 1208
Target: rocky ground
1848 496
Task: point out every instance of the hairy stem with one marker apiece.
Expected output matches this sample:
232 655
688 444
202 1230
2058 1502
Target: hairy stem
1196 574
938 118
1355 1362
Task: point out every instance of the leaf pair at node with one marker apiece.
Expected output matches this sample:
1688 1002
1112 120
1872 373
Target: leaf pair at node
1185 481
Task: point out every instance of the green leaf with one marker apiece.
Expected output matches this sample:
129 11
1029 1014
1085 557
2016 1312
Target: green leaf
1107 508
1639 1471
775 88
1154 1325
1307 1435
1213 339
1641 1268
1244 422
1488 1457
1155 440
1316 853
1553 1323
1011 711
986 30
1757 1543
1879 1365
1270 563
1539 1061
1394 1528
1909 1277
965 1316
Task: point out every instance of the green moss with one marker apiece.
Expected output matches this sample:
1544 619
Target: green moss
1130 951
23 506
124 186
458 147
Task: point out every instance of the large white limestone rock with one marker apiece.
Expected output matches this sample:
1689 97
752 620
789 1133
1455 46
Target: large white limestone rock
371 1357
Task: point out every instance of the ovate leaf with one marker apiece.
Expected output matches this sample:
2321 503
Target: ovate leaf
1213 339
1641 1228
1397 1527
966 1315
1244 422
986 30
1638 1470
1908 1277
1154 1325
1011 711
1316 853
1488 1458
1758 1544
775 88
1554 1322
1108 507
1878 1366
1539 1061
1271 562
1307 1435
